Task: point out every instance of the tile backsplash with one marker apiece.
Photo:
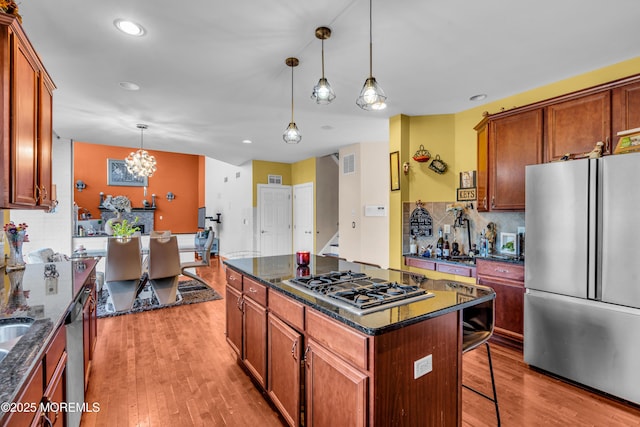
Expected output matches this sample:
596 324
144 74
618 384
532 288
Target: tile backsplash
505 221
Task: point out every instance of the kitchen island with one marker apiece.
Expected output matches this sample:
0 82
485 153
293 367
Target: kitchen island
325 364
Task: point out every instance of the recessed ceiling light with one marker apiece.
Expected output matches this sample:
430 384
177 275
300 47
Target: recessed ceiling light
326 127
246 141
478 97
129 86
129 27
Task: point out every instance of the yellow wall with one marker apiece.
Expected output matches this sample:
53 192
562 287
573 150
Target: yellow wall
398 141
304 171
5 220
262 170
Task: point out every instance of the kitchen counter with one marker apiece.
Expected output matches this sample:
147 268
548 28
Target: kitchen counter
28 294
449 295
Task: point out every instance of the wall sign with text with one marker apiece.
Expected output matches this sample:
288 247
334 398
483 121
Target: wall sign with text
466 194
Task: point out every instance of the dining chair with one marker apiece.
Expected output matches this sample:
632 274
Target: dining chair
164 268
477 327
123 270
205 260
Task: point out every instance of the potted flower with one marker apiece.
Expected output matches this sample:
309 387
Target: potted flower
124 228
118 205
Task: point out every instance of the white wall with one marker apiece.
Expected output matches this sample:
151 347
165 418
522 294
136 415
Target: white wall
364 238
234 199
52 230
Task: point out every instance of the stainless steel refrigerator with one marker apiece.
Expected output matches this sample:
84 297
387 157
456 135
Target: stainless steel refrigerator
582 272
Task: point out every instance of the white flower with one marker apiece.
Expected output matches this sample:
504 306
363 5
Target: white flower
117 204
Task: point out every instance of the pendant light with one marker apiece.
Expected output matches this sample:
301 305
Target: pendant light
141 163
292 134
372 96
323 92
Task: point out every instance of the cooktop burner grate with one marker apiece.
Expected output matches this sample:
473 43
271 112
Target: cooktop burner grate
358 292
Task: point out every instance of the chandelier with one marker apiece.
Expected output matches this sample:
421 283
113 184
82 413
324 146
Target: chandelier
141 163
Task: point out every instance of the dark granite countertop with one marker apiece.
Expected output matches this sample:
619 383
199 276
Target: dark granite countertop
28 295
503 258
449 295
465 263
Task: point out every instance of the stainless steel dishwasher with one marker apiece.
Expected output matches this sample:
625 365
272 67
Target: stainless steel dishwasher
75 356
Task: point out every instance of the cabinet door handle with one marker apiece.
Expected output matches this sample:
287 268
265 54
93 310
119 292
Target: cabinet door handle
607 146
36 193
493 202
293 350
240 303
306 351
484 202
43 194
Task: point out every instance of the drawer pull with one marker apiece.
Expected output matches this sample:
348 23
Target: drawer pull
253 291
501 270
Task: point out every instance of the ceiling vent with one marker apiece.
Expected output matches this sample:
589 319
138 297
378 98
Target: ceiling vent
275 179
349 164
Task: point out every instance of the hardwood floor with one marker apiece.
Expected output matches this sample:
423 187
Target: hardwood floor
173 367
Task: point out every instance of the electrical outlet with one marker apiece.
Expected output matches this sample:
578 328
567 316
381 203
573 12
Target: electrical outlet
422 366
447 229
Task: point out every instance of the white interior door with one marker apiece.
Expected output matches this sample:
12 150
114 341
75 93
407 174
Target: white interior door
274 208
303 231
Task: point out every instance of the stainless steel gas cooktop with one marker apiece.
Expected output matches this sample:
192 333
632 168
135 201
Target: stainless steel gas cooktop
357 292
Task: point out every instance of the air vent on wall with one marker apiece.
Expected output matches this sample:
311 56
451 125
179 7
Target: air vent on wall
275 179
349 164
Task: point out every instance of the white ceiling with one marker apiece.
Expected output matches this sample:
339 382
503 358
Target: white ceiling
212 72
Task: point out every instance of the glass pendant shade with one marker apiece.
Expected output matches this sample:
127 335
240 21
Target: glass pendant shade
141 163
292 135
323 92
372 96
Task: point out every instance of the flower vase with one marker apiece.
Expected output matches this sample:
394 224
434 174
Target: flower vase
15 240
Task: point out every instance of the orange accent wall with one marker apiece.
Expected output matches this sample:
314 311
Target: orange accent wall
182 174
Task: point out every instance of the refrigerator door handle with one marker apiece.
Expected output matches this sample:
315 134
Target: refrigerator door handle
594 214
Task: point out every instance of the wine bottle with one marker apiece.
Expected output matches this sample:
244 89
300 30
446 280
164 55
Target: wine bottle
440 244
445 249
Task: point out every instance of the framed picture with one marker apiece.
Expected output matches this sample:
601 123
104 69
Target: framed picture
466 194
117 174
394 167
508 243
468 179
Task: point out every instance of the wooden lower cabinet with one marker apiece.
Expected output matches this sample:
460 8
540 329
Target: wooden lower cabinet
284 355
233 331
337 393
255 340
507 280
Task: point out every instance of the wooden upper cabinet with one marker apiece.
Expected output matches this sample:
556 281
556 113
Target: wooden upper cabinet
576 125
25 121
482 170
625 103
505 146
514 142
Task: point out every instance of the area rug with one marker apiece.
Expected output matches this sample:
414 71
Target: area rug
190 292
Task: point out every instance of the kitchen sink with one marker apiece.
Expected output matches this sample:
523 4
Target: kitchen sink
12 331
